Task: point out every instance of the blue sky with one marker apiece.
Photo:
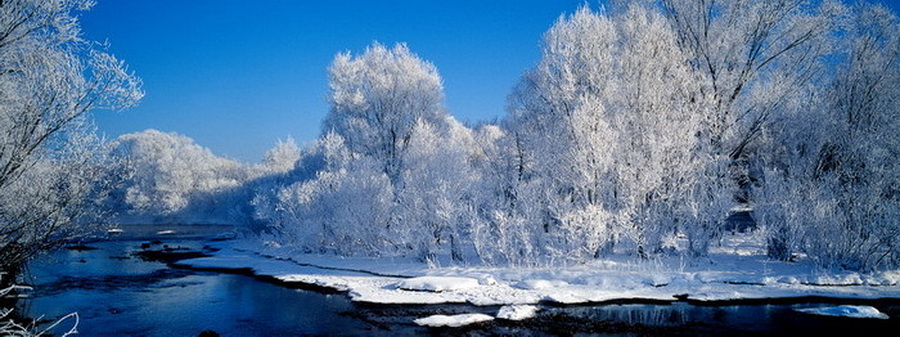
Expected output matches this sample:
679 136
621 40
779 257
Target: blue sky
238 75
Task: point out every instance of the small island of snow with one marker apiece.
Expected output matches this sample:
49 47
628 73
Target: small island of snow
517 312
437 283
852 311
453 321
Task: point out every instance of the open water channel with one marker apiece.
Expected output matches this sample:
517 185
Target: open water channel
116 292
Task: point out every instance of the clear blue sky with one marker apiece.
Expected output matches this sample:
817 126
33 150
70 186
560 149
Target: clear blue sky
238 75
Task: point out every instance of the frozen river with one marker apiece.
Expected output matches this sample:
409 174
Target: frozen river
116 293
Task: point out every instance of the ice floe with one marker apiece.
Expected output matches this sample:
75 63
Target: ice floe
517 312
437 283
853 311
453 321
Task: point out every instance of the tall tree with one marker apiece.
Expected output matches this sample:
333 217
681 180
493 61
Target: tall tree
395 170
751 59
50 80
376 100
605 126
562 140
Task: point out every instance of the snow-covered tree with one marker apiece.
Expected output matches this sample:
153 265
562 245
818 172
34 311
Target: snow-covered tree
342 209
50 81
561 139
282 157
437 190
750 60
653 108
831 182
376 100
648 115
750 56
165 174
640 124
605 131
392 173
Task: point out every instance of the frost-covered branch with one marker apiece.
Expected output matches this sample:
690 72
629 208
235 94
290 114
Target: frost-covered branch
50 160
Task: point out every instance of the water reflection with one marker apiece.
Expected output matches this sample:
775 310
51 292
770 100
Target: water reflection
130 297
686 319
116 294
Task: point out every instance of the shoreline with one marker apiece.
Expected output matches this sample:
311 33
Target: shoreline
315 283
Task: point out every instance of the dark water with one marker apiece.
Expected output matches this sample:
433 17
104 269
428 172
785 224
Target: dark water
118 294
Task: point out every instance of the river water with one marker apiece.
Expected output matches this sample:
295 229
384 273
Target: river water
116 293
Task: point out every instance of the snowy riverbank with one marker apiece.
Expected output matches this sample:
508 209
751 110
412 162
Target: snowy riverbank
735 272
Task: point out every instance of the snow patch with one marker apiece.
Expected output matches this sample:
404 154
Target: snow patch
437 283
517 312
839 279
454 321
540 284
387 281
852 311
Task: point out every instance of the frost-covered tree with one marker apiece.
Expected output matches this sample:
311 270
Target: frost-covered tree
437 189
561 140
831 179
391 174
750 60
653 108
605 130
499 232
341 209
646 116
750 57
50 81
376 100
640 124
166 174
282 157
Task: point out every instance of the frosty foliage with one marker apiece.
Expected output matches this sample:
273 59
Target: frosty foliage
333 210
607 132
378 98
831 179
640 128
50 160
11 327
282 157
391 174
642 123
165 175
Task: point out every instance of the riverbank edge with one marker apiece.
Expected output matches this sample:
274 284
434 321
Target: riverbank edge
679 298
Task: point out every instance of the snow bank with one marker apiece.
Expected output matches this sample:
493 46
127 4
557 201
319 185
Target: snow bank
437 283
852 311
454 321
540 284
517 312
722 277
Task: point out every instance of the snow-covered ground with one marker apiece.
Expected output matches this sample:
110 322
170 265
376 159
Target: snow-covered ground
738 270
453 321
